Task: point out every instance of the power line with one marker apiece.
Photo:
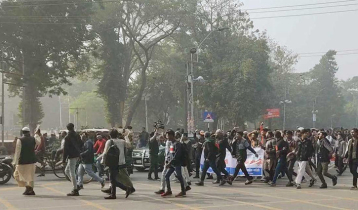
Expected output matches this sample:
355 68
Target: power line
299 9
325 52
308 56
54 4
307 14
300 5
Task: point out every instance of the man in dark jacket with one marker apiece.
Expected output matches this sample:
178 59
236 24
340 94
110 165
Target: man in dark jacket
153 154
87 157
210 152
352 156
239 151
71 153
282 149
304 152
198 146
324 149
175 164
220 157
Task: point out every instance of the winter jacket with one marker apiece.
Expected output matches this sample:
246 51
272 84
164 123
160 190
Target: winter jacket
73 145
87 154
305 150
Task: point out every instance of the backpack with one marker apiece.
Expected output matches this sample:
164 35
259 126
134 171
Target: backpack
112 156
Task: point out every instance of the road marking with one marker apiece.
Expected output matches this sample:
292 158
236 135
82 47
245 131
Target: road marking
83 201
7 204
277 197
164 200
241 202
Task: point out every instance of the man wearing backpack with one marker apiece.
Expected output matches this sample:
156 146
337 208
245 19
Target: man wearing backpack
71 153
324 149
114 158
176 149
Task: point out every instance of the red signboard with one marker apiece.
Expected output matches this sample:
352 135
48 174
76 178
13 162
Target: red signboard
272 113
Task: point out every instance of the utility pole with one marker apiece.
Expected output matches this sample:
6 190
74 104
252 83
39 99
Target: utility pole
77 114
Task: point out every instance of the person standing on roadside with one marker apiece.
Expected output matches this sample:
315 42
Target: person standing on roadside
153 156
87 160
40 151
352 156
143 138
24 161
71 154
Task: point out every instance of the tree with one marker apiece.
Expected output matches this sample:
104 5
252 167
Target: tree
43 41
128 32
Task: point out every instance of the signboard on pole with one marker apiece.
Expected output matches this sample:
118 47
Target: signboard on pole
208 117
314 117
272 113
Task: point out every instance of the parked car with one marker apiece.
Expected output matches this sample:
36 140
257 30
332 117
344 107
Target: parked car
141 158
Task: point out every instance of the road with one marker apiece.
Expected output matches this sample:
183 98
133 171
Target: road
51 194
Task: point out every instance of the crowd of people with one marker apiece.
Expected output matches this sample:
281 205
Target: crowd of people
311 149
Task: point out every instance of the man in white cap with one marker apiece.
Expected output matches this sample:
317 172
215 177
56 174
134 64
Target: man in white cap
25 160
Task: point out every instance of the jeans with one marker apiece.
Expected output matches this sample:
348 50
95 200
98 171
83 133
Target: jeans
211 164
82 168
290 171
280 167
241 165
197 167
177 170
99 165
221 165
71 171
353 166
162 181
322 169
114 182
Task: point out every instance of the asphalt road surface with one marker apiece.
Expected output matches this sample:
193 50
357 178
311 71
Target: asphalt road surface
51 194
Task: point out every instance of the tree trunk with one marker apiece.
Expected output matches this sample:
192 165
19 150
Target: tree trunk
138 98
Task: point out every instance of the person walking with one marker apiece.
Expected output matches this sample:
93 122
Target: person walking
71 154
291 158
24 161
304 152
352 156
40 151
239 151
210 152
87 160
168 158
99 148
115 169
175 164
271 159
282 149
341 152
220 157
153 156
324 151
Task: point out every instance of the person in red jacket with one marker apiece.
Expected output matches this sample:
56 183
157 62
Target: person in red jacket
99 148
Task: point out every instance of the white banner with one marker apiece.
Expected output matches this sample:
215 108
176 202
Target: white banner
253 165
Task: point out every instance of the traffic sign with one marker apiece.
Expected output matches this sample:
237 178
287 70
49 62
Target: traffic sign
208 117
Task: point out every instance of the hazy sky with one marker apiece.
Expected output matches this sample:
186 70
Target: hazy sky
314 33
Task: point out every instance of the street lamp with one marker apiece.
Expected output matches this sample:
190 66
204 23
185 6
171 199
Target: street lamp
284 111
190 75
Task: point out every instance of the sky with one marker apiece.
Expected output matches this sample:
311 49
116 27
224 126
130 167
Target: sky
313 33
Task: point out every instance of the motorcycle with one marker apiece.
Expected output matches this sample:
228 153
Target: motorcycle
6 169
